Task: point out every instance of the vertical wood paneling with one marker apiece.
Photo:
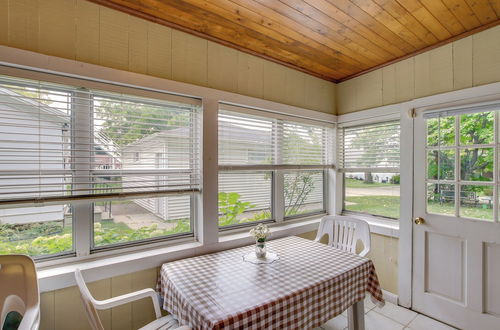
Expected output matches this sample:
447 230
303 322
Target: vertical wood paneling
369 90
319 94
113 39
58 18
486 56
405 82
159 51
250 75
4 22
189 58
389 84
222 67
274 81
441 67
142 310
47 312
462 63
294 86
69 310
422 75
121 316
87 32
346 97
138 45
23 24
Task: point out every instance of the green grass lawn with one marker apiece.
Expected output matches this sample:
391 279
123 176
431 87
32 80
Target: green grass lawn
353 183
386 206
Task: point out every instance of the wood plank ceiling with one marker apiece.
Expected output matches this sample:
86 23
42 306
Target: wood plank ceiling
332 39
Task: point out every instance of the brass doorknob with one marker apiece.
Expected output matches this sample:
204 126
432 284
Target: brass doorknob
419 221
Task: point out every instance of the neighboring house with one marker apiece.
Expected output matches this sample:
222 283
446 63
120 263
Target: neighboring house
159 151
35 137
20 137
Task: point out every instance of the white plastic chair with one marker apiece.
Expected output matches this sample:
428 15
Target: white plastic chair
92 305
344 232
19 290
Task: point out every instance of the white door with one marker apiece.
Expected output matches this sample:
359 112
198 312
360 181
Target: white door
456 251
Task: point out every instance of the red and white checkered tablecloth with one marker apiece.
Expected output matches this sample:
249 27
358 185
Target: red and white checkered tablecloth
310 284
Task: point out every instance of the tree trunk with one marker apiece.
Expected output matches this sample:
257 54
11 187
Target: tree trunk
368 177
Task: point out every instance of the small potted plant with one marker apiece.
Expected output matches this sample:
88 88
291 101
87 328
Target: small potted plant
261 232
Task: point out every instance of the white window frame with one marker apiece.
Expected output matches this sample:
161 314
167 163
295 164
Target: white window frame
278 171
366 117
58 273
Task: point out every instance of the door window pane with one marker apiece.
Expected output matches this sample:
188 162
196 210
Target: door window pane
124 221
36 231
476 164
244 197
303 192
446 161
477 128
441 198
476 202
441 131
373 193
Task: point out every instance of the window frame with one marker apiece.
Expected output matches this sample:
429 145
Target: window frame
278 171
82 120
362 118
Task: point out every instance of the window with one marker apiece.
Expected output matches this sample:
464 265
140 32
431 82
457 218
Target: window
369 158
132 163
271 167
461 163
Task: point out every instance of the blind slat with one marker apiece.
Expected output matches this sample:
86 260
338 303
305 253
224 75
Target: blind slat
369 147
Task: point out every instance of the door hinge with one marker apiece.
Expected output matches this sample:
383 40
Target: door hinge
412 113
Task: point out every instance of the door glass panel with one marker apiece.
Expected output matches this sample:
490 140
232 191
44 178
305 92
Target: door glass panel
476 202
476 164
477 128
441 131
441 198
446 161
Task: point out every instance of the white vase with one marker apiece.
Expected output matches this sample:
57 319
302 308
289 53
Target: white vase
260 249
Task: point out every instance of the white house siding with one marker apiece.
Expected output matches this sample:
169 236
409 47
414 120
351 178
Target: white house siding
20 137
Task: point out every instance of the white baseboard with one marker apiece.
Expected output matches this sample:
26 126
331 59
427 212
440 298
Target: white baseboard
390 297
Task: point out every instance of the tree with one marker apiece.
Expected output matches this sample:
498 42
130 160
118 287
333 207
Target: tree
128 122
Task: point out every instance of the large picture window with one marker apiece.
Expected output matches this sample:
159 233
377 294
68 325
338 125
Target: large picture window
128 164
369 159
270 167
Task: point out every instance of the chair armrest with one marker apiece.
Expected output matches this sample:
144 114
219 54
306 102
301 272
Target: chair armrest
130 297
364 252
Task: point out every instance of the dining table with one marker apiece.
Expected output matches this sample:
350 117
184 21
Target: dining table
306 284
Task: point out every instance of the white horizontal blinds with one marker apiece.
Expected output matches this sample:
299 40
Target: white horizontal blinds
373 147
246 139
304 144
144 145
35 140
66 143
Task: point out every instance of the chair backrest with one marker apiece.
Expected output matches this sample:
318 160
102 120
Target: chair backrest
19 290
344 232
88 302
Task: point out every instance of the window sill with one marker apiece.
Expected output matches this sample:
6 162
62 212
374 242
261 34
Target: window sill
378 225
101 267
